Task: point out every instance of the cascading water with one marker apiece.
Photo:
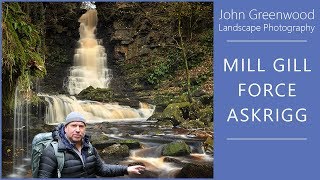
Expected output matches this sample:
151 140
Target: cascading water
61 105
21 144
90 58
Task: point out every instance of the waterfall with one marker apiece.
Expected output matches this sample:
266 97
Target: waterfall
90 60
59 106
90 69
21 151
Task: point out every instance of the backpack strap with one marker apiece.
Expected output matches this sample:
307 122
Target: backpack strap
60 157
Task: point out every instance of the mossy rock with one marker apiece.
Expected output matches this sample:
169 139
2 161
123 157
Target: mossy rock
177 112
98 141
195 108
117 150
198 93
210 126
130 143
177 148
152 131
208 145
194 124
206 115
164 124
163 100
196 171
98 94
181 98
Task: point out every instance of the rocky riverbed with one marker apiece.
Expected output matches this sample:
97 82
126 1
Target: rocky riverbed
166 152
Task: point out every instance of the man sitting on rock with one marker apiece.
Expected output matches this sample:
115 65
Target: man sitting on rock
81 160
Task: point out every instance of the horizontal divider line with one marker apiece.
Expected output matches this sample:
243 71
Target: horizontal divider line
267 139
266 41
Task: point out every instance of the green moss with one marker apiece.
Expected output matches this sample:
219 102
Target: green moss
177 111
130 143
99 139
181 98
198 170
164 123
208 145
206 115
98 94
22 51
178 148
192 124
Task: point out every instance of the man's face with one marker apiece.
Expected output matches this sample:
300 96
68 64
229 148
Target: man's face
75 131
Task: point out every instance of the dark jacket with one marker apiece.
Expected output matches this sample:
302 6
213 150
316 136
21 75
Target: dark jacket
73 167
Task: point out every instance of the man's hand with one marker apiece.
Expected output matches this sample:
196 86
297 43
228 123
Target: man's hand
137 169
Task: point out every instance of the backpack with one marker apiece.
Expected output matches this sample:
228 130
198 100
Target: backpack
39 143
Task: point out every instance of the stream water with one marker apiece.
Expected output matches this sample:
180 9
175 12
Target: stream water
152 139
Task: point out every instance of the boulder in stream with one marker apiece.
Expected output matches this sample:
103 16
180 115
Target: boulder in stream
177 148
196 171
130 143
98 140
116 150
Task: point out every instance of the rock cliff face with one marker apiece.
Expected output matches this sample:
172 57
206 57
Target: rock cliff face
128 36
61 36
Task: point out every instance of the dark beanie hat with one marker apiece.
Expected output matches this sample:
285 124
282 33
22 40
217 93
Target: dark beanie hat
75 117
